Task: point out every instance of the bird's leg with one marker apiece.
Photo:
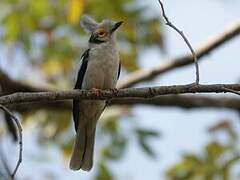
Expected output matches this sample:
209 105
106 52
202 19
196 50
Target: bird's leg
97 92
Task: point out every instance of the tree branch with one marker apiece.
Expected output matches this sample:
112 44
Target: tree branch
19 127
9 85
232 91
148 92
184 38
171 64
182 101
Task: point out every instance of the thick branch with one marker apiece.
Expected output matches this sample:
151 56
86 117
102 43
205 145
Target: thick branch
9 85
172 64
147 92
183 101
180 101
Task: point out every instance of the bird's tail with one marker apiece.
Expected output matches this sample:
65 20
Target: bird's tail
82 156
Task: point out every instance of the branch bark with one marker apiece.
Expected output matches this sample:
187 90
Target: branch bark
19 127
8 85
148 92
180 101
183 101
171 64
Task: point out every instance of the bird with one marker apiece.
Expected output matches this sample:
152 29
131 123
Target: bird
99 69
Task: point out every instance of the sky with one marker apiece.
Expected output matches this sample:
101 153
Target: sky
182 130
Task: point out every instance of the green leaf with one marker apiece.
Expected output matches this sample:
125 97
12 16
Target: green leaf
116 148
147 133
111 125
12 28
146 148
103 172
143 135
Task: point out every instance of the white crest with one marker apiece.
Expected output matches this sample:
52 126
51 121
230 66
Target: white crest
88 23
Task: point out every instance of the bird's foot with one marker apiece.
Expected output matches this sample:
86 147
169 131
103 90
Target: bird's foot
97 92
114 90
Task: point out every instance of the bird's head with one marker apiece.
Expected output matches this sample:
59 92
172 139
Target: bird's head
100 32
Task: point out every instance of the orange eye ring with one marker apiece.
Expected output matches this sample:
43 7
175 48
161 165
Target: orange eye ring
101 33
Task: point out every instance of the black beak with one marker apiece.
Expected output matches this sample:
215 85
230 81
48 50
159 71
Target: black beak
116 26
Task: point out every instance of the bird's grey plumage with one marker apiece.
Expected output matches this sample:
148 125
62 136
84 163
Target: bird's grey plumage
99 69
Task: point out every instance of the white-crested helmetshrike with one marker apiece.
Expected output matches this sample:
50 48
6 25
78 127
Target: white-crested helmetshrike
99 69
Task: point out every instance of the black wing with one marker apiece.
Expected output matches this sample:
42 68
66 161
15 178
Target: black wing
119 70
78 85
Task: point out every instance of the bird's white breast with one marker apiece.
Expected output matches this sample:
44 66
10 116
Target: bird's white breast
102 69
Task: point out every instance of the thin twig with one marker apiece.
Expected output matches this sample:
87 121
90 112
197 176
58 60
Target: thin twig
19 127
231 90
184 38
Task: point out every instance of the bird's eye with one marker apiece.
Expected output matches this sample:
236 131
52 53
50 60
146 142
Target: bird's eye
101 33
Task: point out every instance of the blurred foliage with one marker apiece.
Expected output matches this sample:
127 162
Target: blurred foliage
217 161
143 136
103 173
48 31
115 147
49 36
116 140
